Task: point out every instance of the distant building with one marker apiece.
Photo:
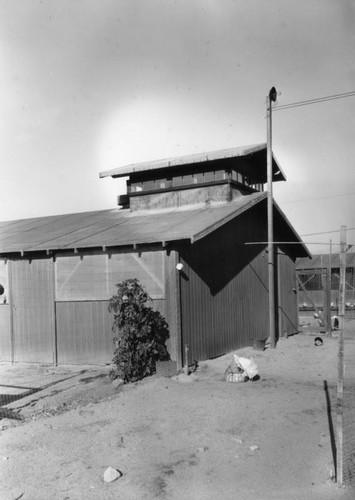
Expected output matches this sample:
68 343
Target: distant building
312 275
191 229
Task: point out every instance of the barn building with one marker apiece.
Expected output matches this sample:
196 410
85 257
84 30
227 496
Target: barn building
207 212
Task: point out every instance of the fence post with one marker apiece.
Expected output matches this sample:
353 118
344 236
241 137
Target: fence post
342 263
340 414
340 385
329 291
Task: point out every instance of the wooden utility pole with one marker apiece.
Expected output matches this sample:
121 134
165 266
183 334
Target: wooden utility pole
270 225
340 385
340 412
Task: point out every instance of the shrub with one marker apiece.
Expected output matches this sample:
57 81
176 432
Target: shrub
141 333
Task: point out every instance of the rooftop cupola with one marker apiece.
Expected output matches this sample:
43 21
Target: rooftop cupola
206 178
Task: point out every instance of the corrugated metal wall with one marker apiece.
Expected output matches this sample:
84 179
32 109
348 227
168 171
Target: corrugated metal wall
84 334
84 327
5 313
224 292
33 310
172 306
5 332
37 325
287 296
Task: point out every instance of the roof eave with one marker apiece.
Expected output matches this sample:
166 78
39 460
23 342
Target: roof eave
244 151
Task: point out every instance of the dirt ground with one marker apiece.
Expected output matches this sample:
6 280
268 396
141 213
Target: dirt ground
170 439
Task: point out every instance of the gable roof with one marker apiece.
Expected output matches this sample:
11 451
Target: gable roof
257 151
120 227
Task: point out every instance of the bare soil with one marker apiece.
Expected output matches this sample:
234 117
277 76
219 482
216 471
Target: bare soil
171 439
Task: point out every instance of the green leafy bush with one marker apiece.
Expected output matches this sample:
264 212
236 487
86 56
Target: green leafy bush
141 333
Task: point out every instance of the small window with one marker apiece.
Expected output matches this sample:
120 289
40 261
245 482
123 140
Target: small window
160 183
148 185
220 175
136 187
186 180
199 178
177 181
208 176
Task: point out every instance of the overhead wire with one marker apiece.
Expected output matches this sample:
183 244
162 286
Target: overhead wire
320 198
328 232
314 101
306 103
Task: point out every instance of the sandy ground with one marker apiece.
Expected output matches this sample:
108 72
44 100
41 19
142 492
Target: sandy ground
202 439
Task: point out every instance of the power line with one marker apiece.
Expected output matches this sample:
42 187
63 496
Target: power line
327 232
295 243
315 101
319 198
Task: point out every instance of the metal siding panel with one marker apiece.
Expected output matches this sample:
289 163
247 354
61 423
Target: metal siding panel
224 293
33 310
84 332
5 332
172 306
287 297
196 315
5 312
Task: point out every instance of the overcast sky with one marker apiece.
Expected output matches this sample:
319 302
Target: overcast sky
89 85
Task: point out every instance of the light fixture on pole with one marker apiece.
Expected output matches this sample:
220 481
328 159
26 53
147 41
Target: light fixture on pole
271 97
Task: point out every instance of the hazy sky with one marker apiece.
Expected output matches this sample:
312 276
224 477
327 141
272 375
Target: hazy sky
89 85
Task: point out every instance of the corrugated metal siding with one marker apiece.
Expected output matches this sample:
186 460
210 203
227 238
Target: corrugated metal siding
5 332
224 294
172 306
5 313
84 332
93 276
33 310
287 298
